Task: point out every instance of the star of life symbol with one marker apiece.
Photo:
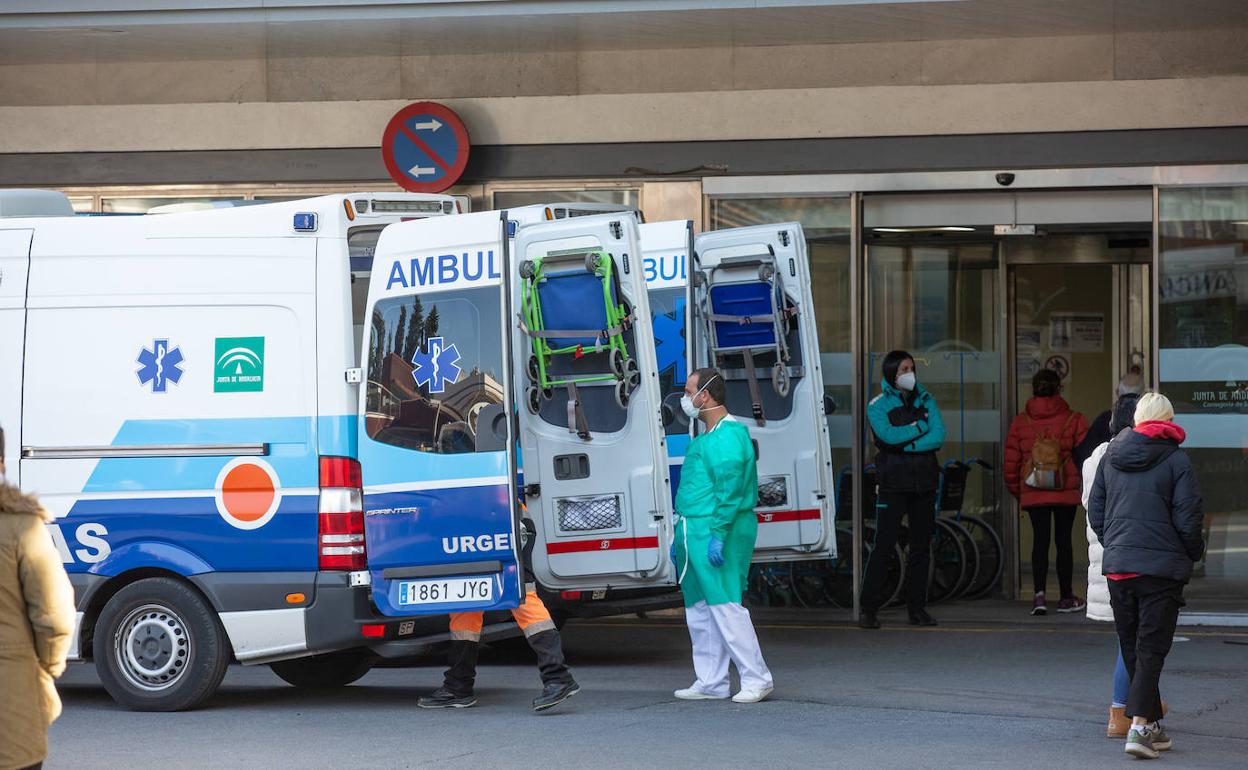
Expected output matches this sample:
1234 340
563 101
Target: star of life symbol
160 365
436 365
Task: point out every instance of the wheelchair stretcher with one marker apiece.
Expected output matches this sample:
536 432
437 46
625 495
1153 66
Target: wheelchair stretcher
571 310
748 315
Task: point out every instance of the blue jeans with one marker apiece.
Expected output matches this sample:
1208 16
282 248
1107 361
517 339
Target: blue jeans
1122 681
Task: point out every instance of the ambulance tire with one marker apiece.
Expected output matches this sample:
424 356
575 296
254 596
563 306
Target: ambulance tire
325 672
184 648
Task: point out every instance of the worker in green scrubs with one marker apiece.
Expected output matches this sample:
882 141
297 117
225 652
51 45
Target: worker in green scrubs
715 532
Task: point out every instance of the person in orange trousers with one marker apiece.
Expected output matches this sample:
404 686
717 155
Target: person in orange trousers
540 632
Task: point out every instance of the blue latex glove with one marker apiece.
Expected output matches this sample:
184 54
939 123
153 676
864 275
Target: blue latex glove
672 553
715 552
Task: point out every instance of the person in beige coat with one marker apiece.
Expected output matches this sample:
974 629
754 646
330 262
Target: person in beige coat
36 622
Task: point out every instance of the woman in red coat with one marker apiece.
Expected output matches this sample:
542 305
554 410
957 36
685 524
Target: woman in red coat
1041 473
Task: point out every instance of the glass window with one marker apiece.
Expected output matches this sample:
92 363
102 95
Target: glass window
1203 329
129 205
667 308
504 199
435 371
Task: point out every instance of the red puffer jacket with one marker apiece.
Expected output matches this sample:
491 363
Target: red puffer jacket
1043 413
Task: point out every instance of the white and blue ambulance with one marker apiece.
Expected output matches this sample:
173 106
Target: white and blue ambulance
280 433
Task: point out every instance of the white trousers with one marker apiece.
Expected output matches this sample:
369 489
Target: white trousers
721 632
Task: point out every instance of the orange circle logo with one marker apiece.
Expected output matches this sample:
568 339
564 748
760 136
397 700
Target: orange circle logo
247 493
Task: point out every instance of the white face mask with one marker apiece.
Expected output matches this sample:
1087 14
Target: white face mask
686 402
906 381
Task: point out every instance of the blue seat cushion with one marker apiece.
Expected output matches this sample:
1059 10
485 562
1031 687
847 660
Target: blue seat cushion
572 300
743 299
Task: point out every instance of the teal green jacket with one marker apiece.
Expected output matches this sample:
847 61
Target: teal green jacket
917 436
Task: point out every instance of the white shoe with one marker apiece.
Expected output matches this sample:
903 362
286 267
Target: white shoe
751 696
693 693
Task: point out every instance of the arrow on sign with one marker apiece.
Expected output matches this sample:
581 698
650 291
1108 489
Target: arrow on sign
421 170
433 125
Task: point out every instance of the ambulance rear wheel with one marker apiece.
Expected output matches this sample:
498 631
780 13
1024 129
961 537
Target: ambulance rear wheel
325 672
159 646
780 380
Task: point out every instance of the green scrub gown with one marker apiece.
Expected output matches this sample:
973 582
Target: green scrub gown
718 490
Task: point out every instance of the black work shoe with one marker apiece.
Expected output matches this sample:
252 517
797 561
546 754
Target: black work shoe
445 699
555 693
868 620
921 618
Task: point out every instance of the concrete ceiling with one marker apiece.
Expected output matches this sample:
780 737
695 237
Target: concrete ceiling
80 31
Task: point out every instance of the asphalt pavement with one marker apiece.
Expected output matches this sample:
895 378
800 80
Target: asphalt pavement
985 689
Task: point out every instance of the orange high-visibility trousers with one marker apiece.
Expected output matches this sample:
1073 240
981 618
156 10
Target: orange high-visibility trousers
532 617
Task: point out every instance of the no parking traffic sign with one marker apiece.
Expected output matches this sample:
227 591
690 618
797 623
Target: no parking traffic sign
425 147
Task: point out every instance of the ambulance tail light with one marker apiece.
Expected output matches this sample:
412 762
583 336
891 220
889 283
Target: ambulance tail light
340 514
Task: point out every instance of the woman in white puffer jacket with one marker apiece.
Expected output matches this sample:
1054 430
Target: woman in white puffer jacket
1099 607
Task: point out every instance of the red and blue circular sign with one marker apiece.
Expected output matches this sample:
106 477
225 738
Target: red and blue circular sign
425 147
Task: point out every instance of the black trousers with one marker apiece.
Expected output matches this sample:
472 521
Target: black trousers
1146 610
461 674
1062 518
919 508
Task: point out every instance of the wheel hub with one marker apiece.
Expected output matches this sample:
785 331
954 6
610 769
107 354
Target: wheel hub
152 647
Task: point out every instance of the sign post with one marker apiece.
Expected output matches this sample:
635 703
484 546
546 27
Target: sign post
425 147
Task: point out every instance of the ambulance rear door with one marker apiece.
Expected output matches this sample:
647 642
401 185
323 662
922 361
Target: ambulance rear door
595 465
732 272
14 264
666 247
436 447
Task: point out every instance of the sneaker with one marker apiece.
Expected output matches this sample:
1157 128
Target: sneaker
1142 742
751 696
1161 740
693 693
553 694
1072 603
921 618
1039 606
445 699
868 620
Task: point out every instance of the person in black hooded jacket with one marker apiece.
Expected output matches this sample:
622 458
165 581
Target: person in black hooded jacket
1145 508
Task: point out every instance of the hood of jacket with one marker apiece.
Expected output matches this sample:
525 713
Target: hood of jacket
14 501
1044 407
1145 447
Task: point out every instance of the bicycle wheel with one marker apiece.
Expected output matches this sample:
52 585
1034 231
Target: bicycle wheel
991 556
769 585
948 559
808 581
839 582
972 558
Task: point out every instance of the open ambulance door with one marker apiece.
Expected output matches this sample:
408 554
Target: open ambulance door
436 446
595 465
665 247
752 317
